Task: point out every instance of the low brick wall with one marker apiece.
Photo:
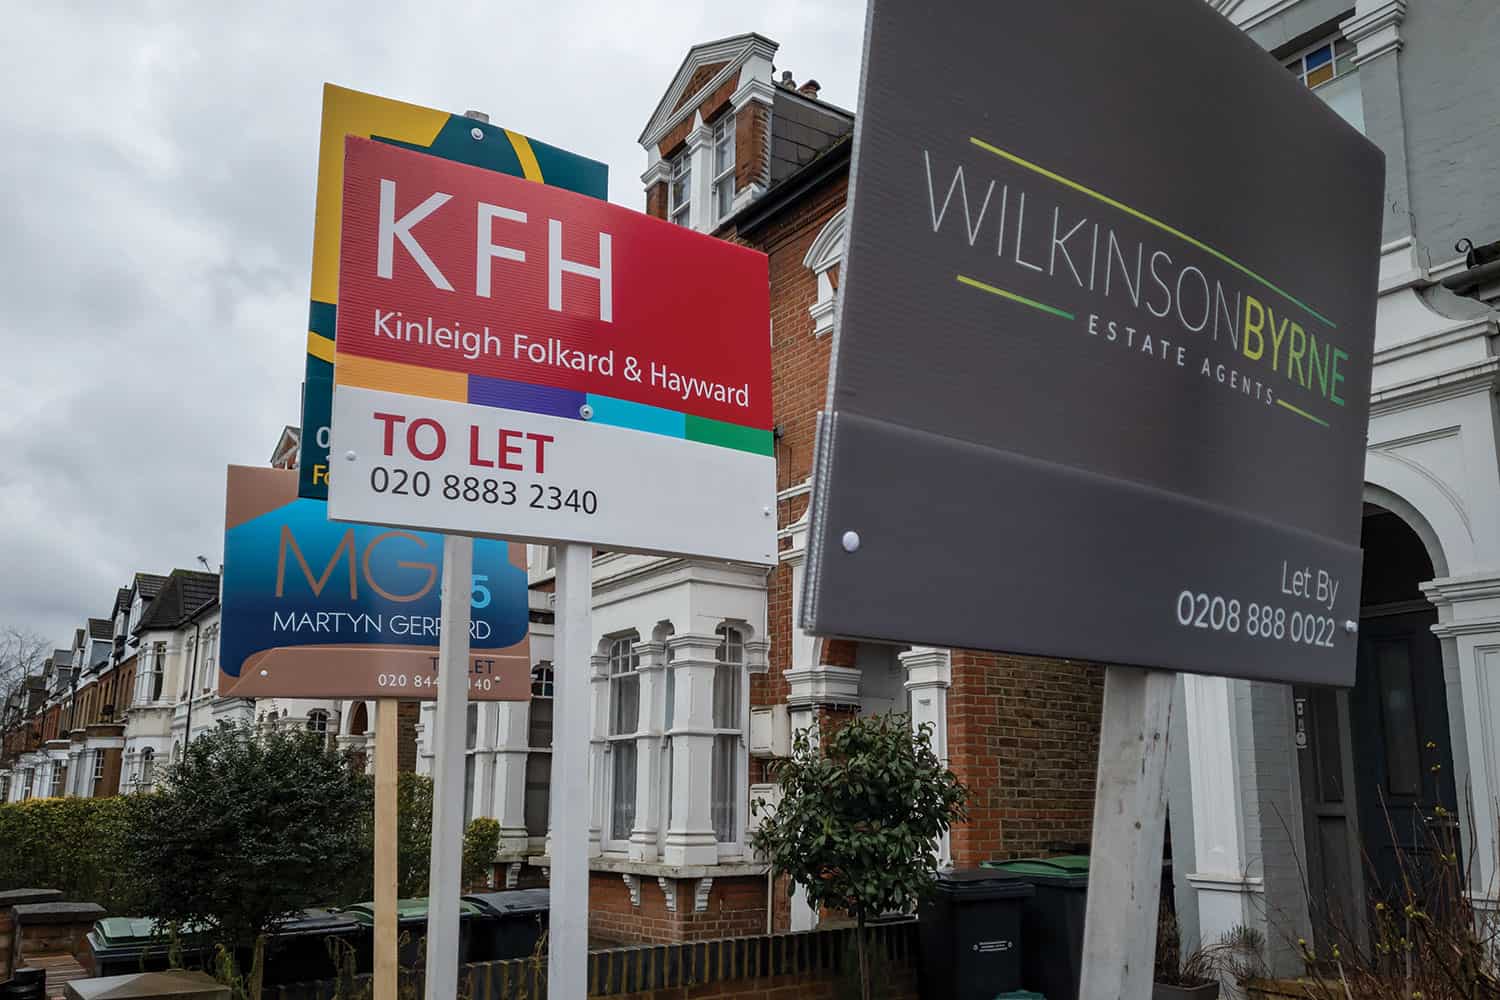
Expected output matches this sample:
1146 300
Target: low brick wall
818 965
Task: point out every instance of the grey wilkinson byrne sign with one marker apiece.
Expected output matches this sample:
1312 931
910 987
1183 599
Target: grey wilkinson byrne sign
1102 362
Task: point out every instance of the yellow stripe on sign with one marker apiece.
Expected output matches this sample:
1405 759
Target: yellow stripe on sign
522 146
320 347
350 112
393 376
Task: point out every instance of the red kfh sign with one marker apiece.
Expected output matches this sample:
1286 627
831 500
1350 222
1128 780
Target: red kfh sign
581 372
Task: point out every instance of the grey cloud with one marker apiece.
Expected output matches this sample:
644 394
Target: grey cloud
155 231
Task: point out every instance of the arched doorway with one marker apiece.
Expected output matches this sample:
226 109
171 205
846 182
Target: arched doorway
1376 762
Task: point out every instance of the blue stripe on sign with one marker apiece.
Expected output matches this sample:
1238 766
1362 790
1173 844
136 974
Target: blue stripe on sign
487 391
637 416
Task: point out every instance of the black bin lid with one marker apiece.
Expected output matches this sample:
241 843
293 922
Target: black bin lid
511 901
982 883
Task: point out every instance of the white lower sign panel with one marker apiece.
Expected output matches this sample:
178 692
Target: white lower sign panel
463 468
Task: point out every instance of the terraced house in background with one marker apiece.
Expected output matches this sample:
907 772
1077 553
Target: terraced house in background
1278 795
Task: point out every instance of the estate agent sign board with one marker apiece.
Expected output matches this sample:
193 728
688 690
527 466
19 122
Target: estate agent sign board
1103 356
315 609
434 133
517 360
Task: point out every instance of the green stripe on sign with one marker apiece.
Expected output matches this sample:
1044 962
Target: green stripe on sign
727 435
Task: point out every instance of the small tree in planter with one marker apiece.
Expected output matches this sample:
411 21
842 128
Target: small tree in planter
859 818
251 828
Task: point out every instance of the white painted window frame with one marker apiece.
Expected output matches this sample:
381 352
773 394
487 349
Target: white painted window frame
620 649
680 167
825 253
739 775
723 132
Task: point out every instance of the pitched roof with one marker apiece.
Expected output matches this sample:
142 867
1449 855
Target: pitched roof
122 600
101 628
183 594
62 657
148 585
718 60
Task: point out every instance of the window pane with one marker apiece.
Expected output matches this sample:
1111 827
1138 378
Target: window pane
538 783
1322 74
471 727
724 197
626 704
1402 749
622 815
671 687
468 788
723 146
727 696
725 748
539 725
1318 56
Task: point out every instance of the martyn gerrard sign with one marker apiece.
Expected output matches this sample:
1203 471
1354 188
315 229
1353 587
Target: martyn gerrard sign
434 133
1104 346
313 609
517 360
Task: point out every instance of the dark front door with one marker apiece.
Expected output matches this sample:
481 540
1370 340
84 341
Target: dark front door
1403 758
1335 872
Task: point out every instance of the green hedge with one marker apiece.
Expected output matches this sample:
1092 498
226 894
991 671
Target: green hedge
68 844
75 845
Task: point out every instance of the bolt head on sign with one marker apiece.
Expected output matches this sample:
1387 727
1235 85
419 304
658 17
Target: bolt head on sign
517 360
1116 334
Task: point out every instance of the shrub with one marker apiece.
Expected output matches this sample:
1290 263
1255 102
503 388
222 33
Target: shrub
859 818
481 843
69 844
250 828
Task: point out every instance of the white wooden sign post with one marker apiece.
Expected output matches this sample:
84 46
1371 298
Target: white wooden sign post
1130 810
567 959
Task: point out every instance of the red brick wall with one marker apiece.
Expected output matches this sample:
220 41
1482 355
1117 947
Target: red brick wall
656 200
799 384
736 907
1023 735
752 150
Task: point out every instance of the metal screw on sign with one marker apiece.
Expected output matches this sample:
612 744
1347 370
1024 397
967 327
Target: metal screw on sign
851 541
586 412
477 133
349 456
1351 626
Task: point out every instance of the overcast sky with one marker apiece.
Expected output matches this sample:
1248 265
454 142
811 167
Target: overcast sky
156 191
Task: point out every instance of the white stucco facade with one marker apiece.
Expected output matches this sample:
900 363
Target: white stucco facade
1433 461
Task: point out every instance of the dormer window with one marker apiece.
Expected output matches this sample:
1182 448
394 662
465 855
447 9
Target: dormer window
723 168
135 612
680 191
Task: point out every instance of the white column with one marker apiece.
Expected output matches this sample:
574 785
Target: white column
1215 738
648 749
509 786
1469 621
690 835
598 731
929 675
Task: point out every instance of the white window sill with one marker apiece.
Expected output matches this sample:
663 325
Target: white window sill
726 868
